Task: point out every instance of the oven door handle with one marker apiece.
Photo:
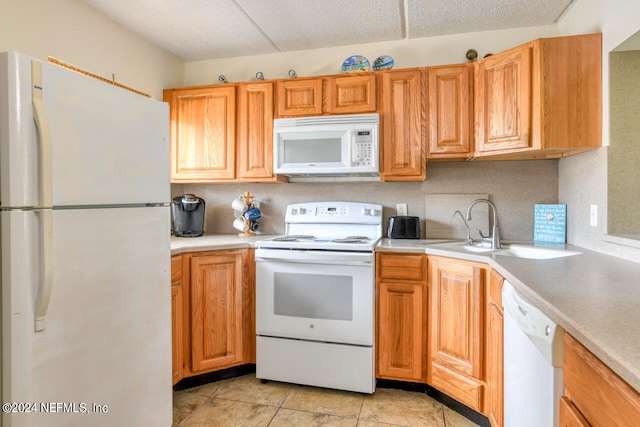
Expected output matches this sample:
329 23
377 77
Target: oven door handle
315 257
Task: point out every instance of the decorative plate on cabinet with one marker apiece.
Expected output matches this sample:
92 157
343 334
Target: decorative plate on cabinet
355 63
383 62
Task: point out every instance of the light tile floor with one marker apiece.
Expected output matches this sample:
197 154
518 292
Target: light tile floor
246 401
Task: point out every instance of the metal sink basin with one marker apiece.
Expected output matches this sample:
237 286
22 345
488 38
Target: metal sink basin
517 250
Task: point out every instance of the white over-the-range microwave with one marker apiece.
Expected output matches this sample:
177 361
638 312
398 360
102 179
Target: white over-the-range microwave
331 146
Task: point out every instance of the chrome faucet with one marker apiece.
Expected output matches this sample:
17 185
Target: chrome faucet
468 239
494 238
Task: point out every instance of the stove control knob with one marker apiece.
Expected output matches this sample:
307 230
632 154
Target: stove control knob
294 211
303 211
366 211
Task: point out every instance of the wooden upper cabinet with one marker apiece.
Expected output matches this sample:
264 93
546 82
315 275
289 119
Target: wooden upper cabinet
449 111
402 144
503 100
203 133
456 330
255 132
351 94
541 99
299 97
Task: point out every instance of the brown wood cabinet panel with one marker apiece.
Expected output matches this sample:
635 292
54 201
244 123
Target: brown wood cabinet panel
255 132
176 333
403 266
570 416
495 351
456 328
503 100
177 319
449 111
203 133
216 310
466 390
601 396
401 331
403 146
299 97
352 94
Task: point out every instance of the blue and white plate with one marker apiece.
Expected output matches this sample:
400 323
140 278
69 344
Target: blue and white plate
383 62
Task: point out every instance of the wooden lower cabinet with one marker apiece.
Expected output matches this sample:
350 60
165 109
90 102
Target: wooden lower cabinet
494 401
218 306
177 319
456 330
594 394
401 308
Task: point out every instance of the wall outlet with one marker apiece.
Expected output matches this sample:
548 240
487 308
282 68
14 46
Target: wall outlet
402 209
593 219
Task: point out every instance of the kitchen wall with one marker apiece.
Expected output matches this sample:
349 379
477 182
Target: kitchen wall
513 186
583 178
448 49
73 32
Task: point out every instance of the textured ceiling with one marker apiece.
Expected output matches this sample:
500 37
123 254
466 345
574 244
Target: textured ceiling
207 29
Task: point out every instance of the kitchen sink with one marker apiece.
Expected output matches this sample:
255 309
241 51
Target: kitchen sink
518 250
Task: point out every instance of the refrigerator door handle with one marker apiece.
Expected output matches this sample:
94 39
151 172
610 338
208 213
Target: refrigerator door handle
46 283
46 190
44 134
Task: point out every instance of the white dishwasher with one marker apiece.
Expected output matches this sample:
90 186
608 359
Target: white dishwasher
533 359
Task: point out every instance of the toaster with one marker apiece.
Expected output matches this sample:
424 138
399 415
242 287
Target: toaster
403 227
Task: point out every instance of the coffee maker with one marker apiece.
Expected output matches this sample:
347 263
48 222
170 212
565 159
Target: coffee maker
188 216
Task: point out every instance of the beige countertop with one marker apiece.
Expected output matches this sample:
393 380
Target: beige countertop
593 296
213 242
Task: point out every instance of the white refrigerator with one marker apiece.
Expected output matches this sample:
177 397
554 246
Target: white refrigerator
85 250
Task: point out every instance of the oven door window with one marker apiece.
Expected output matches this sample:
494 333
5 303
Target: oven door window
313 296
322 302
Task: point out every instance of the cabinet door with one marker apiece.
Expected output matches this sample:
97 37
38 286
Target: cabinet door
450 108
401 312
352 94
177 319
456 330
503 100
216 310
402 145
401 343
255 131
176 330
203 133
299 97
495 353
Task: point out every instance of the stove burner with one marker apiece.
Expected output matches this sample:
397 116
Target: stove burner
293 238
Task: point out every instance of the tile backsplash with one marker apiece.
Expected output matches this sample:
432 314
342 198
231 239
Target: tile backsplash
514 187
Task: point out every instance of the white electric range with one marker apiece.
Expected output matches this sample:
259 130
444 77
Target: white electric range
315 296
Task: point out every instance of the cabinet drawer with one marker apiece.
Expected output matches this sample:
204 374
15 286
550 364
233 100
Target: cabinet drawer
402 267
176 269
598 393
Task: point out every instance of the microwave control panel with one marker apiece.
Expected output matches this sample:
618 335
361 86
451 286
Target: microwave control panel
363 148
